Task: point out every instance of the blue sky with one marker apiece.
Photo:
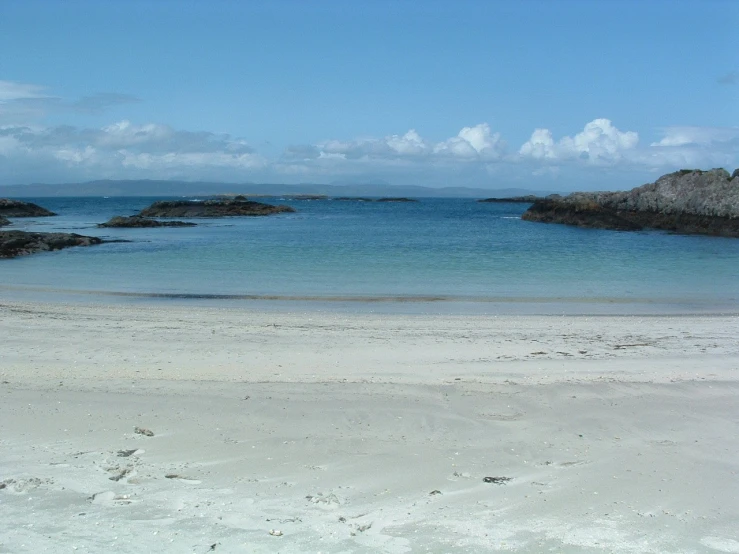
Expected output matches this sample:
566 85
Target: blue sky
565 95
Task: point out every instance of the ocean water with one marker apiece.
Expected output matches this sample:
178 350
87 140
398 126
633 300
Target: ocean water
434 251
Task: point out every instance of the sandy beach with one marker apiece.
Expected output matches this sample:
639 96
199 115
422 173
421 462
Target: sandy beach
175 428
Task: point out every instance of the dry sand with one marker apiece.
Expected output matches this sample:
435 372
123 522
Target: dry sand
365 433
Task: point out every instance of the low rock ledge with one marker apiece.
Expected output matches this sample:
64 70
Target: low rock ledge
212 208
16 208
137 221
22 243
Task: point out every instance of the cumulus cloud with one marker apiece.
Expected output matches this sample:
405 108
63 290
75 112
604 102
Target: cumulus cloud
471 143
692 146
600 142
680 136
30 150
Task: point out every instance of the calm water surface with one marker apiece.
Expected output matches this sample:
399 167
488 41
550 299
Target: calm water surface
436 250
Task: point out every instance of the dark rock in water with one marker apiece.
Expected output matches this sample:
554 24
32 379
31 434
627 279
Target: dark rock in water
4 221
21 243
16 208
212 208
137 221
528 199
402 199
687 201
353 199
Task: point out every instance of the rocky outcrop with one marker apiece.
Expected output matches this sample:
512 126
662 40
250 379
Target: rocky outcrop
4 221
528 199
392 199
16 208
137 221
21 243
212 208
687 201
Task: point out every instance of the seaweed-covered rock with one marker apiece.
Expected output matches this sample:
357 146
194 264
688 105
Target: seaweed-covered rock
16 208
212 208
137 221
21 243
686 201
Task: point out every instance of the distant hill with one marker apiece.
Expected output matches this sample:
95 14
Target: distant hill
204 188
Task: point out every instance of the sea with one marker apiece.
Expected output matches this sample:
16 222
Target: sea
431 256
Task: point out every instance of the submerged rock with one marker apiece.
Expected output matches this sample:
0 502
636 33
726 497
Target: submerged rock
212 208
686 201
16 208
21 243
137 221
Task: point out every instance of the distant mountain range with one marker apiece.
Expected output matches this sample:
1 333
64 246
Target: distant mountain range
204 188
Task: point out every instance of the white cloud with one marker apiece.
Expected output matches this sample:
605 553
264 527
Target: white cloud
10 90
471 143
410 144
680 136
598 143
31 151
22 102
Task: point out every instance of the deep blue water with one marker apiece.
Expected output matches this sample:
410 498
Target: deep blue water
455 249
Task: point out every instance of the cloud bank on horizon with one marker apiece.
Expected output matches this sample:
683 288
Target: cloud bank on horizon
31 151
543 95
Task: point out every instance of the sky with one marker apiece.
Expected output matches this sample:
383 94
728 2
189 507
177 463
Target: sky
536 94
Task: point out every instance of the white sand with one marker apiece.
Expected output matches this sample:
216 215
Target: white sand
619 434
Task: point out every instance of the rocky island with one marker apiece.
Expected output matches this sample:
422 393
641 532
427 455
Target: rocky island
391 199
686 201
137 221
16 208
353 199
21 243
238 206
528 199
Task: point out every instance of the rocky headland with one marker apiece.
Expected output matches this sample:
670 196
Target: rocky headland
686 201
212 208
137 221
528 199
21 243
16 208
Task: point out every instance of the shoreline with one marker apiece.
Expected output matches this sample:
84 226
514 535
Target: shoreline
365 432
420 304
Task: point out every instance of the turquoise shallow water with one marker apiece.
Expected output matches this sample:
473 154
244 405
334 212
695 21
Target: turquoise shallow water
434 250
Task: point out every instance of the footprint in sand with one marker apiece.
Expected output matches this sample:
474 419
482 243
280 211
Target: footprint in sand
23 486
721 544
109 498
182 479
